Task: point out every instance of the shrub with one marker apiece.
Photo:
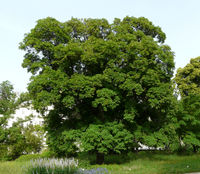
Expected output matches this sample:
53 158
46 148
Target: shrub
28 157
45 154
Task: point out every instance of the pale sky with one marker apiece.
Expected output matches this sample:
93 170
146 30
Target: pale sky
179 19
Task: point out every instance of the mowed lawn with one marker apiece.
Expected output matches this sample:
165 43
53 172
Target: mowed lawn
141 163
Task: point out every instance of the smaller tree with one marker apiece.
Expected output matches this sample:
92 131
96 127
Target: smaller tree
24 139
7 108
189 122
7 102
188 78
17 139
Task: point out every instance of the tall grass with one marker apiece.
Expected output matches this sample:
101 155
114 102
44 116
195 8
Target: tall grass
51 166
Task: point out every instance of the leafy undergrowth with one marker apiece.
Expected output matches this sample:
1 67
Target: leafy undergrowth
141 163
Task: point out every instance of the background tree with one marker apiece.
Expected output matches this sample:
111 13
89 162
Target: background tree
108 84
7 108
7 102
24 139
188 78
16 139
189 122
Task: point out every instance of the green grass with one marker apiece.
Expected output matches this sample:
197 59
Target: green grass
152 163
11 167
141 163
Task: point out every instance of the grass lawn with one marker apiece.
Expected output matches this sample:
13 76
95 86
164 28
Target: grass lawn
11 167
157 164
141 163
152 163
171 164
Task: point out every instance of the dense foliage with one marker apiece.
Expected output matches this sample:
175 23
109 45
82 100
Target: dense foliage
16 139
7 108
108 85
188 78
189 122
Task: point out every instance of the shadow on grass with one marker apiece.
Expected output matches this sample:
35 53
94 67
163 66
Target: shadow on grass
90 159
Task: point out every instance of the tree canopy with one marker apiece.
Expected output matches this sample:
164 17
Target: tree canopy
7 101
108 85
188 78
189 122
15 139
7 108
187 81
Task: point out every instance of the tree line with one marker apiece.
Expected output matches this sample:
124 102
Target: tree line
110 87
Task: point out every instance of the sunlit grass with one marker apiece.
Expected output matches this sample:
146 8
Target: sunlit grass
150 163
11 167
141 163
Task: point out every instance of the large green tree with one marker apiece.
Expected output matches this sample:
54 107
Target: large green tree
108 85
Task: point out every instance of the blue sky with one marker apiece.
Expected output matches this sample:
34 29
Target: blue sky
179 19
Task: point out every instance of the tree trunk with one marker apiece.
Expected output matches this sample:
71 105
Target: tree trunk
101 113
135 150
194 148
99 158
